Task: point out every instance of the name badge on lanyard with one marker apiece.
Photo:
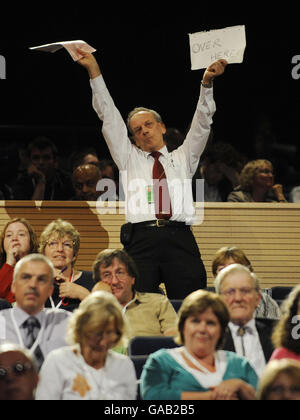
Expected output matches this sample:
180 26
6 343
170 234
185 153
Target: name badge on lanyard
150 194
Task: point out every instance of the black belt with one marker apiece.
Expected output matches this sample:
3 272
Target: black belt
160 223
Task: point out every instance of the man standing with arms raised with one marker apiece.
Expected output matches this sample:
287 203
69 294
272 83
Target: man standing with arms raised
159 203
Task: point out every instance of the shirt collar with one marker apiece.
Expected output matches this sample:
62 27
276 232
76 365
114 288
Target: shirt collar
21 316
163 151
250 327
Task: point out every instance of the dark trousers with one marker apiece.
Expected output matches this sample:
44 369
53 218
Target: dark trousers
168 255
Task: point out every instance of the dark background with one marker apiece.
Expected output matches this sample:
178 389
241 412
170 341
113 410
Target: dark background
144 56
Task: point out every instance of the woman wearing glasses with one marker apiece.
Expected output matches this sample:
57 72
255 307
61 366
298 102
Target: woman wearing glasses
60 242
88 369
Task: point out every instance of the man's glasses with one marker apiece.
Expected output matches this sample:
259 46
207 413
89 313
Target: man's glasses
120 275
244 291
18 369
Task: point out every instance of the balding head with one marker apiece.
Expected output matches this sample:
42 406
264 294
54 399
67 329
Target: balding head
85 179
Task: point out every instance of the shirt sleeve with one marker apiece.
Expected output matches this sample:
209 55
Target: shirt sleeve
114 128
198 134
167 315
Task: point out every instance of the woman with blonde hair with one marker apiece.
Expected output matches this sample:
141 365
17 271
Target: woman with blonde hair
286 334
257 184
60 242
280 381
89 369
17 240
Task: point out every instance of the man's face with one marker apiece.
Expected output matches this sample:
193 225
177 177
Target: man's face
44 160
18 378
85 180
241 297
147 132
33 286
117 277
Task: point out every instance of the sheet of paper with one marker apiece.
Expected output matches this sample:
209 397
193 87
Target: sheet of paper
70 46
208 47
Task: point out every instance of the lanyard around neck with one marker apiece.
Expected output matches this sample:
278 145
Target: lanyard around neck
61 303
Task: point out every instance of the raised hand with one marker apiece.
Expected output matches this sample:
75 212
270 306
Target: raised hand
214 70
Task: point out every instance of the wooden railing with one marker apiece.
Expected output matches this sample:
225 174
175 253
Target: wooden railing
268 233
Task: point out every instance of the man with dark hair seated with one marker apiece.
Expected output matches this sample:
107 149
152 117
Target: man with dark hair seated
43 180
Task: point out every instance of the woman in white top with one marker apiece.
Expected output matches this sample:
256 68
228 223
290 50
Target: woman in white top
89 369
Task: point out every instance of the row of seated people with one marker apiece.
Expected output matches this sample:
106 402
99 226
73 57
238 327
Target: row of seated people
41 177
225 175
116 273
73 349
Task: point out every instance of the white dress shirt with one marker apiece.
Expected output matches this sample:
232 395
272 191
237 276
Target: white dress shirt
253 349
136 165
52 333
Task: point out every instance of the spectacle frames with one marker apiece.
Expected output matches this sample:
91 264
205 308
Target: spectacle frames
244 291
68 245
18 369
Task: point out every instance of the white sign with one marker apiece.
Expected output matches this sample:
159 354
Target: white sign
70 46
208 47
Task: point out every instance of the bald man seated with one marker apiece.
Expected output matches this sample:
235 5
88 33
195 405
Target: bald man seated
89 185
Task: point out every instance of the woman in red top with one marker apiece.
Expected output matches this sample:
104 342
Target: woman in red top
17 240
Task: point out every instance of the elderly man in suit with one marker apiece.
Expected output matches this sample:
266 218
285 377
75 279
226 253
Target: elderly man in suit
29 324
247 336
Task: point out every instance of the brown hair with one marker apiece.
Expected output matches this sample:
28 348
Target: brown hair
198 302
32 235
227 252
106 258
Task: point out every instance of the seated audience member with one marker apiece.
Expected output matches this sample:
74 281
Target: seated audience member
17 240
85 179
225 256
43 180
88 369
280 381
84 157
18 374
4 304
173 138
60 242
220 168
29 324
149 314
248 337
286 337
199 370
257 184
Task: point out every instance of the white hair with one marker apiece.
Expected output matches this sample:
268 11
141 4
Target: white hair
33 258
232 269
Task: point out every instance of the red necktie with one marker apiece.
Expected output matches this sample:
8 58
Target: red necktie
162 202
